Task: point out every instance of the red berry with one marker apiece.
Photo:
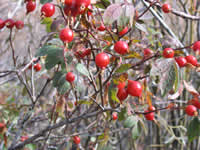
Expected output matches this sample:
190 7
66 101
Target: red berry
48 10
194 102
9 23
121 47
147 52
66 35
151 108
89 13
181 61
196 46
70 77
2 24
168 53
149 116
191 60
23 138
121 85
122 94
69 2
166 8
84 3
19 24
30 6
102 60
123 31
2 125
190 110
134 88
37 67
76 139
114 116
101 27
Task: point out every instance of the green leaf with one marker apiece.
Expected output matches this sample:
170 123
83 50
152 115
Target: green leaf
53 59
193 129
103 4
47 20
31 146
123 68
112 93
49 49
122 114
130 121
82 69
136 130
56 78
45 1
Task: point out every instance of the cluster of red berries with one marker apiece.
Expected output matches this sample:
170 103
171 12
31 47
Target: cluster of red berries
182 61
37 66
76 7
149 114
83 53
10 23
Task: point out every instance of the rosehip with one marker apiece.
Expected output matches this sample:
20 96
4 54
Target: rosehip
123 31
149 116
181 61
196 46
30 6
19 24
66 35
151 108
122 94
76 139
121 47
114 116
70 77
168 53
191 60
101 27
102 60
37 67
9 23
2 24
48 10
69 2
166 8
190 110
147 52
121 85
194 102
134 88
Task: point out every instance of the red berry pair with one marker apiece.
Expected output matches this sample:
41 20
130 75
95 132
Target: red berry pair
10 23
182 61
148 114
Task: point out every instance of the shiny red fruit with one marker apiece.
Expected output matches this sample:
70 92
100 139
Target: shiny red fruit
84 3
102 60
194 102
30 6
66 35
2 24
121 85
123 31
114 116
69 2
196 46
19 24
121 47
191 60
151 108
147 52
9 23
101 27
48 10
166 8
122 94
191 110
149 116
181 61
168 53
76 139
70 77
134 88
37 67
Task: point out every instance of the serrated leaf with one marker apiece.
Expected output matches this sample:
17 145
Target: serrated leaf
45 1
135 132
49 49
57 77
130 121
82 69
193 129
123 68
53 59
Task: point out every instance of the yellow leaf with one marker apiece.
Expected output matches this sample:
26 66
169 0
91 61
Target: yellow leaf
133 54
120 78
